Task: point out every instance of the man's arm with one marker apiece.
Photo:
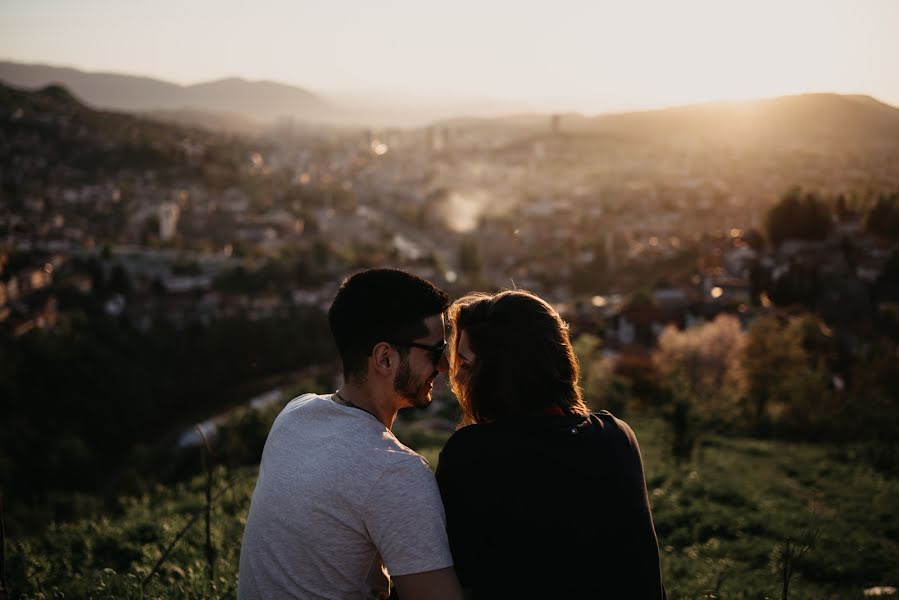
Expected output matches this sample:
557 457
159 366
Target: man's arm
406 523
441 584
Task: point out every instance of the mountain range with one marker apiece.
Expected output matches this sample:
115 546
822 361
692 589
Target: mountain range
262 101
241 105
236 104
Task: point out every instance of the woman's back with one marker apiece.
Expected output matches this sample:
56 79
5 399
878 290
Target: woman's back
550 506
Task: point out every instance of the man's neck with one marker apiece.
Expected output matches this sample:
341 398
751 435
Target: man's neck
381 406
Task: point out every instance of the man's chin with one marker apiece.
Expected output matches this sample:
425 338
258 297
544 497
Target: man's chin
426 394
423 397
420 400
423 402
417 401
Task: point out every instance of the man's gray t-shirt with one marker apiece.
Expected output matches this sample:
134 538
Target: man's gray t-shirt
338 499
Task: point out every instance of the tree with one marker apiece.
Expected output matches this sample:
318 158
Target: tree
886 287
842 209
119 281
470 258
787 373
701 369
883 218
602 387
798 216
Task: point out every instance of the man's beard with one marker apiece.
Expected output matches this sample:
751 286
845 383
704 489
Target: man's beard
418 393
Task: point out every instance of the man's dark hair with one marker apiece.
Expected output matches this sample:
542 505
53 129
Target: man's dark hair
380 305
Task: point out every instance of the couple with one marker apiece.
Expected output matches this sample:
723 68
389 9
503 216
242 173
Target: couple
535 498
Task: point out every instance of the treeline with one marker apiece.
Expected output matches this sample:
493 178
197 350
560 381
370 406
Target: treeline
832 278
784 376
883 218
85 404
806 215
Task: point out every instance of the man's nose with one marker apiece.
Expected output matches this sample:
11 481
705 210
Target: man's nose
443 363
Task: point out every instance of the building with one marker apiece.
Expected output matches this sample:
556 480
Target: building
169 212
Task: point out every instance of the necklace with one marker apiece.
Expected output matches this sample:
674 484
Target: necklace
346 402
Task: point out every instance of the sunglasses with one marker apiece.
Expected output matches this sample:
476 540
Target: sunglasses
436 350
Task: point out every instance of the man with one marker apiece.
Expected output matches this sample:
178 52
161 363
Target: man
340 502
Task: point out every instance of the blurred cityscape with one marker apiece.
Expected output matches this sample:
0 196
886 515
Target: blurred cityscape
156 222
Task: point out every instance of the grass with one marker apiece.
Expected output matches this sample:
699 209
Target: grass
110 557
723 522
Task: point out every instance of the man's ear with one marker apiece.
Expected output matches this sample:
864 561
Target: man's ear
383 359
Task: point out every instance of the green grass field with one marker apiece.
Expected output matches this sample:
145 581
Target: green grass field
723 522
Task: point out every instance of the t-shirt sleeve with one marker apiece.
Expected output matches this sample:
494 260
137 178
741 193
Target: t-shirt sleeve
404 516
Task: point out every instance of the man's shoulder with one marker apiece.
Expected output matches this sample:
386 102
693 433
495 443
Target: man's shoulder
395 455
311 408
360 434
303 400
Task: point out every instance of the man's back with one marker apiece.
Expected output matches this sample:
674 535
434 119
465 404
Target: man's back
335 487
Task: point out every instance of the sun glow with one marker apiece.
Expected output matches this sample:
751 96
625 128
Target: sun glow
563 55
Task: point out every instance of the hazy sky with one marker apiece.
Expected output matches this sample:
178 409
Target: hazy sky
590 55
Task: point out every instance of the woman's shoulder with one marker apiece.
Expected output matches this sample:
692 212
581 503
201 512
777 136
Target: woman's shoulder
613 425
477 437
609 420
470 443
467 435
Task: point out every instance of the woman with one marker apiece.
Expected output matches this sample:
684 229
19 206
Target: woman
543 499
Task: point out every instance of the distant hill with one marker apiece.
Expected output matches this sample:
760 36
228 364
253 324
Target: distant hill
234 104
803 117
214 121
56 105
799 119
263 101
237 105
55 138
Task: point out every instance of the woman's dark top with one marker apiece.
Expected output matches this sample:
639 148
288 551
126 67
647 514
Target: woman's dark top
550 507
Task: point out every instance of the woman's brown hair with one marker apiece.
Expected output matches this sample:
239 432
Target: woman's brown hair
524 363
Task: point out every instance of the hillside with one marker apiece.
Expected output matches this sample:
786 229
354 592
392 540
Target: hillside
213 121
57 107
794 120
722 523
53 137
234 104
808 116
257 100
